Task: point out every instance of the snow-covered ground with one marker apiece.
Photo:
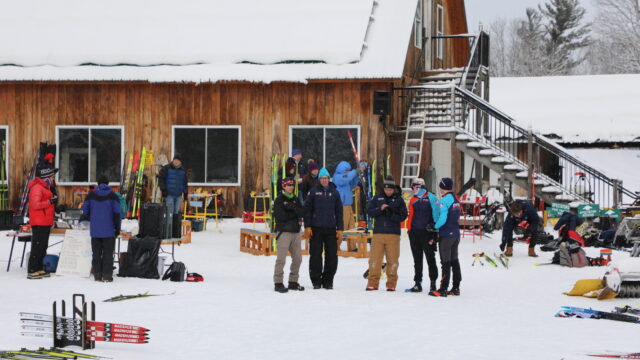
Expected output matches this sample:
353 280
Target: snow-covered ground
235 314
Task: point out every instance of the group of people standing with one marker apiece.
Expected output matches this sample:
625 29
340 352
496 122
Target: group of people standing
325 211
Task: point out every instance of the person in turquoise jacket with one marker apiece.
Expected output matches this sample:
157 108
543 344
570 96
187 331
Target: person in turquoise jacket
346 180
448 227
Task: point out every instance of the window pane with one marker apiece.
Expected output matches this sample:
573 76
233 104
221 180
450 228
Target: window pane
339 147
190 142
106 147
309 141
222 155
74 155
3 139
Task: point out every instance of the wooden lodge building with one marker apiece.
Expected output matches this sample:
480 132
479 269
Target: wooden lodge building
223 85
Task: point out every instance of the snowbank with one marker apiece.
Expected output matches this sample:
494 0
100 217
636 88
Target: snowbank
580 109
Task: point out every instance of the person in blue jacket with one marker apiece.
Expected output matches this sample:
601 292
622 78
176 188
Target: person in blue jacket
448 226
173 183
389 211
102 207
346 180
423 213
323 226
521 212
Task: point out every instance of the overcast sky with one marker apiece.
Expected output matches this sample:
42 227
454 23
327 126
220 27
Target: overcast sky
486 11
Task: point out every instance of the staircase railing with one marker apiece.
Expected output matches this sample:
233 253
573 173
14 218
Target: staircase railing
576 177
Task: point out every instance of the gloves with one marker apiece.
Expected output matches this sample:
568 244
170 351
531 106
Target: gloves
53 200
308 233
431 229
387 212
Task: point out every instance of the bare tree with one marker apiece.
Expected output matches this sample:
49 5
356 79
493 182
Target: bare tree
500 47
617 28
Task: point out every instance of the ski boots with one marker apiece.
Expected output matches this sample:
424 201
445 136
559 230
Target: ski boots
279 287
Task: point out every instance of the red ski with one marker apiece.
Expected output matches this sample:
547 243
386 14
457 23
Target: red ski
120 340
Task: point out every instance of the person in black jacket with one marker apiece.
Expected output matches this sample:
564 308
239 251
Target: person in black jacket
323 225
520 212
309 180
288 214
389 210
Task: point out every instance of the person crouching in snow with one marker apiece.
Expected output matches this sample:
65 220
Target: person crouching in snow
42 204
423 213
323 225
567 225
102 207
389 211
521 211
448 226
288 214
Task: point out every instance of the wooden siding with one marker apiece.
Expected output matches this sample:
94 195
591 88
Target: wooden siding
456 50
147 111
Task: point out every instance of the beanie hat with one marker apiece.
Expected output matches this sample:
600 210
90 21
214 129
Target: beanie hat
446 184
295 152
323 172
103 179
287 181
45 171
313 166
418 181
388 182
177 157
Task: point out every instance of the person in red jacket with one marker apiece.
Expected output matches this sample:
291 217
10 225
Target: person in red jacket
42 204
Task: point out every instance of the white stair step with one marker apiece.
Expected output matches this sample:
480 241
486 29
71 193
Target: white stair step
514 167
541 182
463 137
487 152
477 145
500 160
565 197
551 190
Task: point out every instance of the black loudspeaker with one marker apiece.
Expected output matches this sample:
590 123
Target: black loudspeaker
151 220
382 102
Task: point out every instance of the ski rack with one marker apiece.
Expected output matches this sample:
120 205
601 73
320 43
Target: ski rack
79 313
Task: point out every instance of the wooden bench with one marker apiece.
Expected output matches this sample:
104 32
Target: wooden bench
358 238
261 243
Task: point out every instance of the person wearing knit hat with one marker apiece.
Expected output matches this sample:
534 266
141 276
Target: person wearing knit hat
42 204
296 155
323 224
346 180
288 212
362 190
423 213
309 180
173 183
389 211
448 227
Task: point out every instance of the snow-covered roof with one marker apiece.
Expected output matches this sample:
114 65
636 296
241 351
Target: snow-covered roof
204 40
578 109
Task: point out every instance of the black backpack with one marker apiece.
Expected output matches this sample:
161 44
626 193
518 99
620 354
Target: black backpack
175 272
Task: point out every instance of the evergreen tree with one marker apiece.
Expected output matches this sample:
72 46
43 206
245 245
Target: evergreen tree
564 35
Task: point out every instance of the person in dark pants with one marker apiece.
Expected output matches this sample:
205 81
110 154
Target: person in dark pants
389 211
288 213
102 207
42 204
423 213
310 180
323 225
521 212
567 225
173 183
448 226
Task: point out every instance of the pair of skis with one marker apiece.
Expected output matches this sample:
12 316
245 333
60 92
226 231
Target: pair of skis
43 353
584 313
502 258
129 297
41 326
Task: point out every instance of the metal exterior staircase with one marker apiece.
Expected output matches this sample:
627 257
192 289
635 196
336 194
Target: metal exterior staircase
445 106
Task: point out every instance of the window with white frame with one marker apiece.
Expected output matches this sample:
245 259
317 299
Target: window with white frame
211 154
87 152
440 32
327 145
417 27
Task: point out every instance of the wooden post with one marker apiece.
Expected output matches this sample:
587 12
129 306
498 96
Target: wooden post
530 163
617 185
